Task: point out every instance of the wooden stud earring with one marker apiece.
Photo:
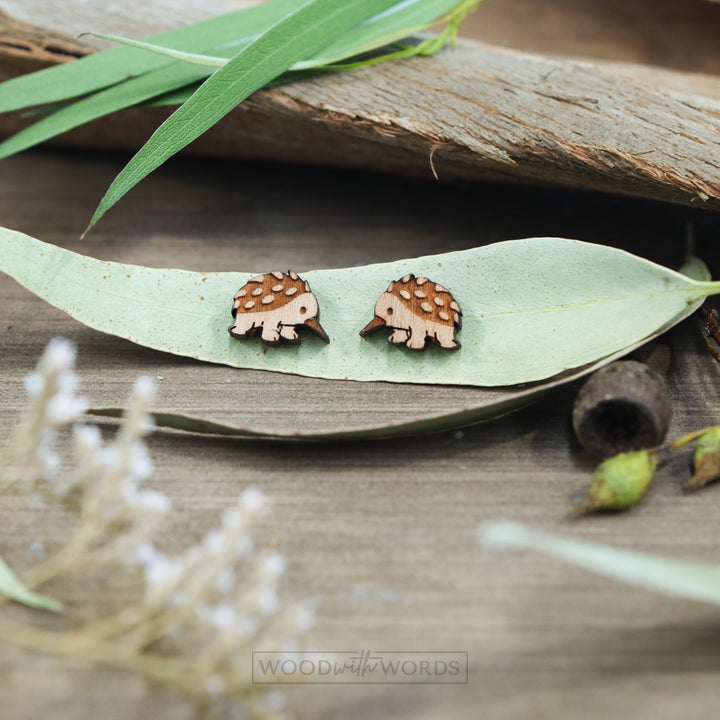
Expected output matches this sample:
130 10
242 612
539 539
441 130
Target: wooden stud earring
275 305
417 310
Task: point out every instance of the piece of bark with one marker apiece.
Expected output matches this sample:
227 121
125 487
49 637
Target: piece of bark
19 41
668 33
477 112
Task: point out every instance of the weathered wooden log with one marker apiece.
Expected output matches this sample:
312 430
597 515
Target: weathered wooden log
476 112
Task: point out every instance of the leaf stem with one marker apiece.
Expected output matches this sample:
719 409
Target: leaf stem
685 440
195 58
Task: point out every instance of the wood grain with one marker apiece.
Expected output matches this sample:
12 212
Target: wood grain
418 311
381 533
275 305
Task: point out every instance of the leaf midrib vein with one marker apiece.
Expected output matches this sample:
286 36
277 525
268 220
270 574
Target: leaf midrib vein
484 316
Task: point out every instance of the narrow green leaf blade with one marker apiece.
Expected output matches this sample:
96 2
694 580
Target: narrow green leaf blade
532 309
109 67
696 581
298 35
11 587
492 404
174 83
401 21
111 99
192 58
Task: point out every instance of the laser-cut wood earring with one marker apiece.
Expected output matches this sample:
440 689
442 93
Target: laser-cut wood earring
418 311
275 305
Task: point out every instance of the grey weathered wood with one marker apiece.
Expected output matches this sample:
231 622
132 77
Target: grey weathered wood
476 112
380 533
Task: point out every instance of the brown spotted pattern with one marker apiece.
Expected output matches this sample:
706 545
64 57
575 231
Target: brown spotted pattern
426 299
268 292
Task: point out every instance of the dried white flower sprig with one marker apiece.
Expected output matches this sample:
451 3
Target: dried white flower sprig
29 455
203 611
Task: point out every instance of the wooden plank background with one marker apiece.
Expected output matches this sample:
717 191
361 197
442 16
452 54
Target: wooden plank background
381 533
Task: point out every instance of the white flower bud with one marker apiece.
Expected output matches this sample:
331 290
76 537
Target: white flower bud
163 573
225 581
252 499
146 554
153 501
268 602
34 384
214 542
141 466
273 565
224 618
144 390
64 408
87 436
59 355
233 518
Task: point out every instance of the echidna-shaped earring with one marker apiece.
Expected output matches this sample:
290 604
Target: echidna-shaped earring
275 305
417 310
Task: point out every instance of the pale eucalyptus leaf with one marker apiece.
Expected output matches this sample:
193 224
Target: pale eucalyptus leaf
695 581
13 588
532 309
541 312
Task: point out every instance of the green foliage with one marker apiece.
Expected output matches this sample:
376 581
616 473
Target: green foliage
238 53
706 459
695 581
621 481
532 309
12 588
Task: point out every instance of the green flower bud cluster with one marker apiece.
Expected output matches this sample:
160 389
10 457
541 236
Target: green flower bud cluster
622 480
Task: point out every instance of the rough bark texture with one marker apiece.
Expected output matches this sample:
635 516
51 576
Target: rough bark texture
476 112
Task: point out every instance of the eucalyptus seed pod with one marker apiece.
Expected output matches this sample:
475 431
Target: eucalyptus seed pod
622 407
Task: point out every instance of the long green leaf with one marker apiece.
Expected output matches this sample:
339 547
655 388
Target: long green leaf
101 103
109 67
696 581
296 36
491 404
482 405
532 309
210 61
130 83
11 587
401 21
